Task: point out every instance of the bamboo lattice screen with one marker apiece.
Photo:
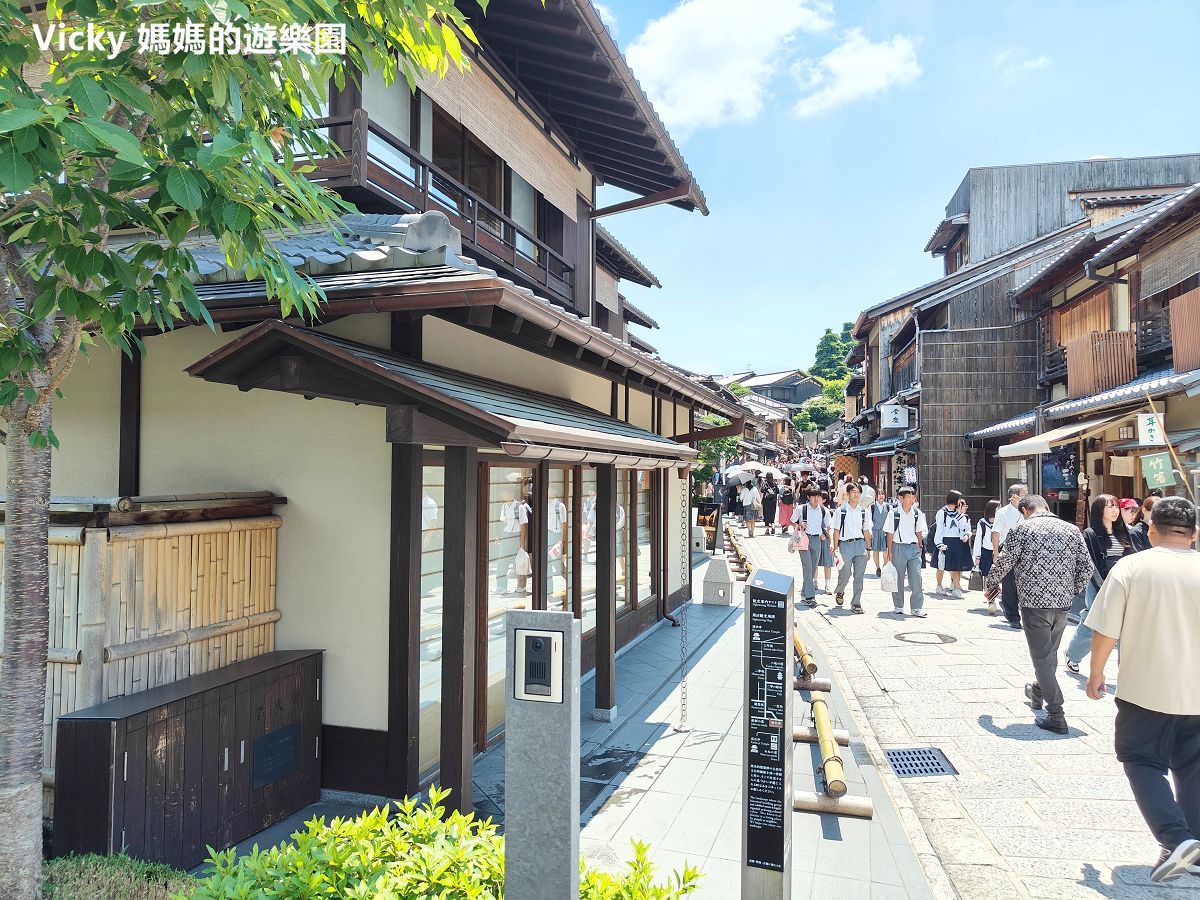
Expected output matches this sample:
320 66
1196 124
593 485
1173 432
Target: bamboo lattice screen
1099 361
1185 331
137 606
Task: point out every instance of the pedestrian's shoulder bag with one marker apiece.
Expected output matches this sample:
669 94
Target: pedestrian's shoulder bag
787 498
798 543
846 509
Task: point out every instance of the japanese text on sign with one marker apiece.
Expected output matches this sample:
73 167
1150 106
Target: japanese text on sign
1156 469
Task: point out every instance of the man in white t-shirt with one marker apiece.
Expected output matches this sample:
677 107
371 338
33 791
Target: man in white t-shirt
851 533
1007 518
1150 602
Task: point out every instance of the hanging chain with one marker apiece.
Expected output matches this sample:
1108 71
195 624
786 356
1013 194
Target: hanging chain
685 568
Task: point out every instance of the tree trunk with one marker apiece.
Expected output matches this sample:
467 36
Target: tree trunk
23 666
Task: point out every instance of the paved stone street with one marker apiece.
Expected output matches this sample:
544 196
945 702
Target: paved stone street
1029 814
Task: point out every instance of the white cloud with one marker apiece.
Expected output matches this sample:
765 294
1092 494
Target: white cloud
607 17
854 70
1012 62
706 62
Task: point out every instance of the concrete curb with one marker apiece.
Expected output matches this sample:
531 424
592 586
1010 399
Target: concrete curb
935 873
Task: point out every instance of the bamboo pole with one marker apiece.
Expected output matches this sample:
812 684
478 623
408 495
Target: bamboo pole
811 801
831 761
806 659
173 529
60 656
159 642
802 734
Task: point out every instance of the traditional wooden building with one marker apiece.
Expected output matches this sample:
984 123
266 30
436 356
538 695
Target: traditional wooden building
467 427
1117 312
959 351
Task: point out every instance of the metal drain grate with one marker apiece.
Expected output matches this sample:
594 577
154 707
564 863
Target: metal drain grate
919 762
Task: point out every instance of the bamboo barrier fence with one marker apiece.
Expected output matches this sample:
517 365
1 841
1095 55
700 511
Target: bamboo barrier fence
137 606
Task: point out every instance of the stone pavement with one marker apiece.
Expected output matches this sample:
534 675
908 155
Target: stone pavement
681 792
1029 814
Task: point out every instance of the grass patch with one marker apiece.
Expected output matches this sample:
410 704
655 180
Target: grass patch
94 877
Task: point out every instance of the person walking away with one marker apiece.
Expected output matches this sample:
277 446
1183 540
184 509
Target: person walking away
851 535
839 496
733 495
1107 540
904 529
814 519
1006 519
1149 604
1051 564
751 499
981 546
787 504
1137 520
880 509
770 499
949 530
868 491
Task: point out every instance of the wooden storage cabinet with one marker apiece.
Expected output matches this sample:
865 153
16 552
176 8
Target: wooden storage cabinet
209 760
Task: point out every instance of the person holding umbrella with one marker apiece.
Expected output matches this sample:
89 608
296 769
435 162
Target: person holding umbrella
770 497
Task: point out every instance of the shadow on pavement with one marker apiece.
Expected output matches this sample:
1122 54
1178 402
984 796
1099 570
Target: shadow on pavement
1024 732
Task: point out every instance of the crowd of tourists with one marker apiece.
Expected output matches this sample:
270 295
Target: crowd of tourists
1134 565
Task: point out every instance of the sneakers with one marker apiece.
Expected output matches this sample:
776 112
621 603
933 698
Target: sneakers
956 594
1034 693
920 614
857 610
878 572
992 608
899 613
939 591
839 599
810 601
1181 860
1056 724
1072 666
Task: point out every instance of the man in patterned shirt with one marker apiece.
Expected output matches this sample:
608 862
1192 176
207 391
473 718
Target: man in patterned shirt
1052 565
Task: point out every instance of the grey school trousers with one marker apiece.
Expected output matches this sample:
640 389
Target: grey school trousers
854 562
907 560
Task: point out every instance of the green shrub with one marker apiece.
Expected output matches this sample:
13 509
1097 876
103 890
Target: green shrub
95 877
416 852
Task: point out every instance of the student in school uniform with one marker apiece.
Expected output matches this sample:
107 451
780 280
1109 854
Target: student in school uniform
879 509
904 529
852 535
951 529
813 518
981 546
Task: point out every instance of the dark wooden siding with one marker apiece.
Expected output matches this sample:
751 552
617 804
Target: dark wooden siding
970 379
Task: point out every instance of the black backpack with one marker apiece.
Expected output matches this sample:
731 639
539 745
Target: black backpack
787 498
842 523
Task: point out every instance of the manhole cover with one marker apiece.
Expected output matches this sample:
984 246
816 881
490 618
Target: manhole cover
919 762
925 637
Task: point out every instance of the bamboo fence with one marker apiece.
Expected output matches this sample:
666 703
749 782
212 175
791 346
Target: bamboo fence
138 606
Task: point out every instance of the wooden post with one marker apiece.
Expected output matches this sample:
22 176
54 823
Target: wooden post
458 624
540 543
606 593
404 621
130 439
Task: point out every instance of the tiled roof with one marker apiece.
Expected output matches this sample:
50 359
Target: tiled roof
1154 384
636 315
1150 219
618 257
1023 422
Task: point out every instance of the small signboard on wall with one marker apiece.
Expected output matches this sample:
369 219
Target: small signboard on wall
893 416
1122 466
1151 432
1157 470
910 474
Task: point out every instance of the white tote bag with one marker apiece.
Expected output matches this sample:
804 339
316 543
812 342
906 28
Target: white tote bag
888 579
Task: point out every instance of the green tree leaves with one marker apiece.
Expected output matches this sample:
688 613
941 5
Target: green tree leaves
186 188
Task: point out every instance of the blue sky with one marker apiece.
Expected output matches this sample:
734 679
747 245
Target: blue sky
829 137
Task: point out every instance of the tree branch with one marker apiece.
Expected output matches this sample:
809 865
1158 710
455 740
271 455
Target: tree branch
15 265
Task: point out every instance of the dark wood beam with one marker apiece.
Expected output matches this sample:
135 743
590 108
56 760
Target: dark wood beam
667 196
541 541
404 622
129 454
458 625
606 588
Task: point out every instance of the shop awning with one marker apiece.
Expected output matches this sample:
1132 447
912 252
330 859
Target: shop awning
1155 384
1042 443
429 404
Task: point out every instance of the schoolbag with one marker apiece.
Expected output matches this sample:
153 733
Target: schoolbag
842 525
787 498
896 521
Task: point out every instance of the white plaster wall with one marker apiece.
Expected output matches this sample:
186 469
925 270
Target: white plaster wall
447 344
331 461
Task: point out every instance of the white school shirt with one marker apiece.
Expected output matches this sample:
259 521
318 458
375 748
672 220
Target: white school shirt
814 519
857 522
556 516
868 495
1007 518
983 536
912 523
514 514
951 525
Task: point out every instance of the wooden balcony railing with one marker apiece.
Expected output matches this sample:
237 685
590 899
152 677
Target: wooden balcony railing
376 159
1185 326
1153 333
1054 364
1100 361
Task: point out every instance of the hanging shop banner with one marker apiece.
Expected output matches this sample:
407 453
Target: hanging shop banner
893 415
1157 470
1122 466
1150 430
910 474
